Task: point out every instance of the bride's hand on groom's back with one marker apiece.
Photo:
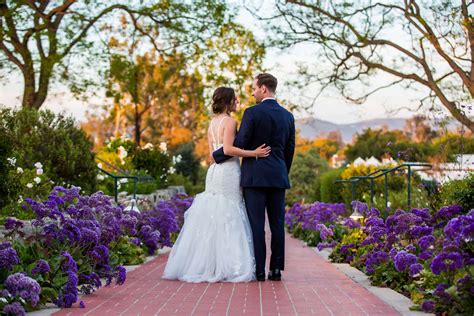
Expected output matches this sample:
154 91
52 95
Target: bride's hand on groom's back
262 151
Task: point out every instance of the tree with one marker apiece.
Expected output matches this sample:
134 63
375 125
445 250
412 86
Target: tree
384 143
165 96
418 129
354 37
155 93
43 39
305 177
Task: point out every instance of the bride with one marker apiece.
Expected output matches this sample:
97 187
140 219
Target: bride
215 243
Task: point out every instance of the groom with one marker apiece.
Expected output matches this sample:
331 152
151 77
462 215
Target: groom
264 180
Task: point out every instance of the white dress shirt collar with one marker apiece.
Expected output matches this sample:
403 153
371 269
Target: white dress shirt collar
269 98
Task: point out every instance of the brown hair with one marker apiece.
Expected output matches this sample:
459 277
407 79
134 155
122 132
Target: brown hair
268 81
222 99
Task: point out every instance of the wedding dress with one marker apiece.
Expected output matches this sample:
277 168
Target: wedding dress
215 242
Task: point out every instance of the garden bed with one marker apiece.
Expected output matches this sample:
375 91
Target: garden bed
77 244
427 256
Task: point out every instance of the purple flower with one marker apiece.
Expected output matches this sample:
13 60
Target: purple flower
89 237
428 306
100 254
375 258
415 269
403 260
368 241
68 295
410 248
12 224
121 275
441 293
21 285
345 248
360 207
135 241
392 253
425 255
351 224
377 231
460 228
14 308
8 256
446 262
323 245
374 221
41 267
82 304
391 239
447 212
69 264
426 241
423 213
419 231
89 282
324 232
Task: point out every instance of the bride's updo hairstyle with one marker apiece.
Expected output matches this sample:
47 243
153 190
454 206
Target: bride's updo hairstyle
222 99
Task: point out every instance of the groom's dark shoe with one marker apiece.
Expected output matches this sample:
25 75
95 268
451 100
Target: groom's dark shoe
261 276
274 275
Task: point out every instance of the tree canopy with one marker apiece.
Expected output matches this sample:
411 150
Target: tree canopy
65 40
433 48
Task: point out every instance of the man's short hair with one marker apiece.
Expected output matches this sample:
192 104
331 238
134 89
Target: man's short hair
268 81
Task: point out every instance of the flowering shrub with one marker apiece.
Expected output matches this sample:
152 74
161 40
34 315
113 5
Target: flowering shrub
77 240
32 182
53 139
423 255
318 223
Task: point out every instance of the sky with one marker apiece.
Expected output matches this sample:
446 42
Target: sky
330 106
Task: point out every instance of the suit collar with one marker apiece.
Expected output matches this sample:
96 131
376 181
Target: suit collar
269 101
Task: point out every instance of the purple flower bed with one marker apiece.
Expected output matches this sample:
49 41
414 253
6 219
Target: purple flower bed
427 256
69 251
320 224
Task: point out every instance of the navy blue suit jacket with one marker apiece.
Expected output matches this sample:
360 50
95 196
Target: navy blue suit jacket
265 123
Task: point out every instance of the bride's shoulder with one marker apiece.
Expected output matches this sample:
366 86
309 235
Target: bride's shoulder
230 121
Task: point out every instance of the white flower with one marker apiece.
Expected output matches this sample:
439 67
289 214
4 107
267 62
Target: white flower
39 172
29 185
100 177
148 146
19 170
37 180
389 204
177 159
38 165
163 147
122 152
99 165
171 170
12 161
20 199
124 180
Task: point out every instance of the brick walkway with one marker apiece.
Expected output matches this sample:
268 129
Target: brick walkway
310 285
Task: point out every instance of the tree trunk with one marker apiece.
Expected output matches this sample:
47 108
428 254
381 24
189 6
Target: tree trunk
137 126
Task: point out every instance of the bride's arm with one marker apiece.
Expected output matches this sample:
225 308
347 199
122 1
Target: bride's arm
211 148
229 149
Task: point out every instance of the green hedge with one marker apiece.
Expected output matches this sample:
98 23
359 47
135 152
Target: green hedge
331 192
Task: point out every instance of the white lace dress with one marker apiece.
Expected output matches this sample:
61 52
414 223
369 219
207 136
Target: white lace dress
215 243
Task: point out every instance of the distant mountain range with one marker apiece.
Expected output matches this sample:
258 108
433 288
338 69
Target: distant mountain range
312 127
